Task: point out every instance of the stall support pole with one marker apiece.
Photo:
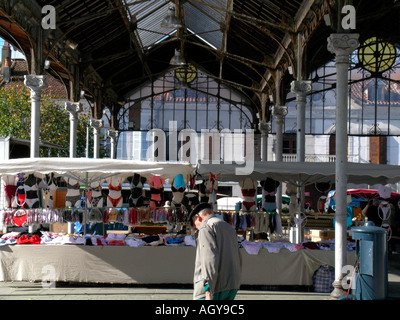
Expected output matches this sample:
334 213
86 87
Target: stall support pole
36 84
279 112
113 135
301 88
342 45
73 108
97 125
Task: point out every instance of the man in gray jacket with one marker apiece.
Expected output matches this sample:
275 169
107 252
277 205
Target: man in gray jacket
218 262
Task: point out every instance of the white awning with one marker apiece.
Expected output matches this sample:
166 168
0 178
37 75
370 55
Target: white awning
93 169
305 172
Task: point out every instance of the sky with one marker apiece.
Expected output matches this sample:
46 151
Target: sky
14 54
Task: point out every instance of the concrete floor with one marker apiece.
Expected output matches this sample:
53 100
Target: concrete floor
35 291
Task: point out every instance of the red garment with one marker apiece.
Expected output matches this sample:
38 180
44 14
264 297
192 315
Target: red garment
20 220
25 239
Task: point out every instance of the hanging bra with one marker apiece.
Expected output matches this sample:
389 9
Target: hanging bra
114 188
31 192
249 192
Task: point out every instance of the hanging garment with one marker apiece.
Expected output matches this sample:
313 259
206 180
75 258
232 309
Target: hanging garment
10 190
156 191
136 184
114 197
31 192
249 191
269 187
73 197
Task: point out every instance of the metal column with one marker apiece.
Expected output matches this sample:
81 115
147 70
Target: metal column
96 125
342 45
73 108
36 84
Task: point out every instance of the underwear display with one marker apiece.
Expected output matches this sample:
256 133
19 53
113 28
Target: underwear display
48 189
114 197
95 195
190 200
20 195
73 197
269 187
178 188
31 192
249 191
10 190
114 203
156 191
136 185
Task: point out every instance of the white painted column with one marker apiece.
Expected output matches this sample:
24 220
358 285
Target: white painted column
73 108
279 112
36 84
113 135
342 45
97 125
265 128
301 88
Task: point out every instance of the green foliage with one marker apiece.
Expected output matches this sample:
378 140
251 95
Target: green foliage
15 120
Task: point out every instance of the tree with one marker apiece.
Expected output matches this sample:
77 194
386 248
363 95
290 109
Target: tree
15 120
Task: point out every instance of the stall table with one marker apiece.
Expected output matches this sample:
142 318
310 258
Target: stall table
151 265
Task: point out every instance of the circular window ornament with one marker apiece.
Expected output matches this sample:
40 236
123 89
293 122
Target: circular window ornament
188 73
376 55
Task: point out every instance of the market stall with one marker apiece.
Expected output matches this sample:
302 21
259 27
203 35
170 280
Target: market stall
135 258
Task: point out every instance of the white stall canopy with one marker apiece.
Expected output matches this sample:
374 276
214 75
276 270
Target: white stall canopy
83 169
304 172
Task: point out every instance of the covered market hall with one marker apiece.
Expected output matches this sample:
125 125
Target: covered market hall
283 115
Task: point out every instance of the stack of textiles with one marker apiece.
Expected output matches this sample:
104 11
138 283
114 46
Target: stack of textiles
9 238
174 241
275 247
114 239
29 238
50 238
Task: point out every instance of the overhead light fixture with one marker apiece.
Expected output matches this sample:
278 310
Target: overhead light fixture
47 65
71 44
177 59
171 20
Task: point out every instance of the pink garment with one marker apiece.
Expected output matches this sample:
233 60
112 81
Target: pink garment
252 247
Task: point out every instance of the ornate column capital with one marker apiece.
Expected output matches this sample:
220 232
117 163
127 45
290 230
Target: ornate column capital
36 84
73 108
279 111
96 124
302 87
113 134
343 44
265 127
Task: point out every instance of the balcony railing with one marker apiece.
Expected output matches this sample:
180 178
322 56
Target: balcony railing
317 158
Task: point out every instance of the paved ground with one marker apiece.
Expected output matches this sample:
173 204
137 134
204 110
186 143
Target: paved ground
35 291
